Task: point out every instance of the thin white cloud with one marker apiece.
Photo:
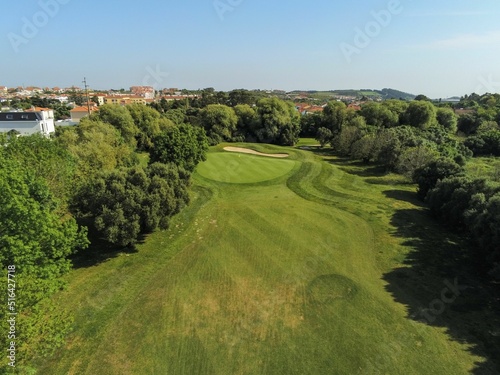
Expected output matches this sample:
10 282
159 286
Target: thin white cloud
467 41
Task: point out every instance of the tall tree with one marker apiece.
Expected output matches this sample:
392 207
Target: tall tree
446 118
147 121
335 116
219 122
421 114
279 122
183 145
121 119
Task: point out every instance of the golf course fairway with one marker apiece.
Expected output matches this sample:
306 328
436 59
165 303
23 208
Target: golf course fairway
276 267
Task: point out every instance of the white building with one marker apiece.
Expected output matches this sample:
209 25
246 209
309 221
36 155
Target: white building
37 120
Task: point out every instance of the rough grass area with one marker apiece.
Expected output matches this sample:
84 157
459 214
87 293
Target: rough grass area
294 267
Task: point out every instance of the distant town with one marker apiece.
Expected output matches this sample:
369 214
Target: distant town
32 109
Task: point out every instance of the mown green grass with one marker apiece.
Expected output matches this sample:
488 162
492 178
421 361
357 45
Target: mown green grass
279 277
243 168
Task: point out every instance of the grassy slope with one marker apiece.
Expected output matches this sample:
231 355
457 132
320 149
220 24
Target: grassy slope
281 277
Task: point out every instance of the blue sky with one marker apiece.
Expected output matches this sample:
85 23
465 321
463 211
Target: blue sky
437 48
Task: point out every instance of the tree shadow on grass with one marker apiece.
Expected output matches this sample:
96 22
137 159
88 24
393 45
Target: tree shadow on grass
443 285
358 168
99 250
404 196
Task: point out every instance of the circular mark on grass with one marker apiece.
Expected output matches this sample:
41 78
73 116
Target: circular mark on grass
330 288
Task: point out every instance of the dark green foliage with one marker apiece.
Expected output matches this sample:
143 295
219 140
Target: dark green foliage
471 206
219 122
45 159
147 121
310 124
247 122
344 141
485 143
324 136
238 97
468 124
428 175
177 116
380 115
37 240
119 117
183 145
421 114
125 204
278 122
447 119
483 221
96 146
335 116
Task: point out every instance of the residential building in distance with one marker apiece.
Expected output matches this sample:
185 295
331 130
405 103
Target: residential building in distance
32 121
78 113
147 92
126 99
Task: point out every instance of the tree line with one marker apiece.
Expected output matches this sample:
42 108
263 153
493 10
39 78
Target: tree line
119 174
431 145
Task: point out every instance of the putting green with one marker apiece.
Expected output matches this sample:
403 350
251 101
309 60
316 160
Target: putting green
239 168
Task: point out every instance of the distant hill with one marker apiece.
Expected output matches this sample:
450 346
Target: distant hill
382 94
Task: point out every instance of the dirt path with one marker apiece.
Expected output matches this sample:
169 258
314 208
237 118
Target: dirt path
253 152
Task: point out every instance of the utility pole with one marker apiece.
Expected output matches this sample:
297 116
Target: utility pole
87 94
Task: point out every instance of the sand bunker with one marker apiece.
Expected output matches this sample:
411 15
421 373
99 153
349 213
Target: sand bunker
253 152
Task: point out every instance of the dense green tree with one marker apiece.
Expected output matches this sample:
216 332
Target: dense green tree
469 123
219 122
147 121
324 136
241 96
183 145
36 239
380 116
413 158
343 142
45 159
278 122
421 114
96 146
335 116
488 126
310 123
364 148
429 174
486 143
124 204
120 118
247 122
177 116
446 118
422 97
398 107
483 221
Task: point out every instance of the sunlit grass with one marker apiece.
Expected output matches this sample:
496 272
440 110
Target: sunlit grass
279 277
